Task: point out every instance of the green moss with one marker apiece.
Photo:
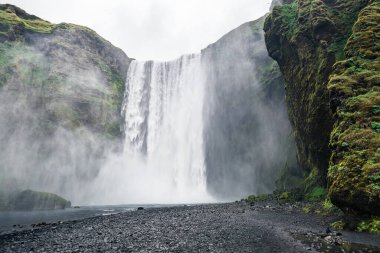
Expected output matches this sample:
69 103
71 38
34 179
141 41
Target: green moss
285 195
262 197
289 15
338 225
372 226
312 180
114 98
333 106
327 204
316 194
35 25
306 209
337 48
354 170
375 126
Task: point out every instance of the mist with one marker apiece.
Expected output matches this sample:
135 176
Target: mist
39 151
202 128
247 135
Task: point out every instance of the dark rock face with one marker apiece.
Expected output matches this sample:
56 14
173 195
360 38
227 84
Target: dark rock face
247 131
330 105
61 90
308 115
306 38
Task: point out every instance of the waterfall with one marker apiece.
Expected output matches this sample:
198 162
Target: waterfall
202 128
162 108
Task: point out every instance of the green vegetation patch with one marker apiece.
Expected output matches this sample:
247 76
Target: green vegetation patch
289 16
354 171
8 19
371 225
262 197
333 106
338 225
375 126
316 194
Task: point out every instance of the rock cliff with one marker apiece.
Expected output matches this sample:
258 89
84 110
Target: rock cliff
328 52
61 90
247 132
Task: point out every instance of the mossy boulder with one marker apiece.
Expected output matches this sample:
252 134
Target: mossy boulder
328 54
29 200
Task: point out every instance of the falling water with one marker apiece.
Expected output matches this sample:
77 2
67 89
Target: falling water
162 108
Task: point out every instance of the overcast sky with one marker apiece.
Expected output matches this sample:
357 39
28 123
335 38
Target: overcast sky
151 29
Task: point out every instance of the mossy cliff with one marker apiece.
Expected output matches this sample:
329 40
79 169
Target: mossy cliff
328 52
354 173
80 75
61 90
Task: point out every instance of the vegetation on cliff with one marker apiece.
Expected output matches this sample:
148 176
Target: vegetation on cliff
328 52
61 92
37 53
354 173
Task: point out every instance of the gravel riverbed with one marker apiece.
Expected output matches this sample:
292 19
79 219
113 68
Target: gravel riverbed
234 227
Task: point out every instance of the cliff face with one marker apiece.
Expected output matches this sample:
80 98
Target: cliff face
61 90
247 131
67 61
331 76
354 173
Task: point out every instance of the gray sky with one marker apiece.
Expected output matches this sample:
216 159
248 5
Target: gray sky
151 29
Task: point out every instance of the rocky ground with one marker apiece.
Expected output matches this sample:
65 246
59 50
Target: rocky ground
235 227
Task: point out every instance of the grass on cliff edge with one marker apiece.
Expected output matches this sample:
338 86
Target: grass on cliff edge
37 25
